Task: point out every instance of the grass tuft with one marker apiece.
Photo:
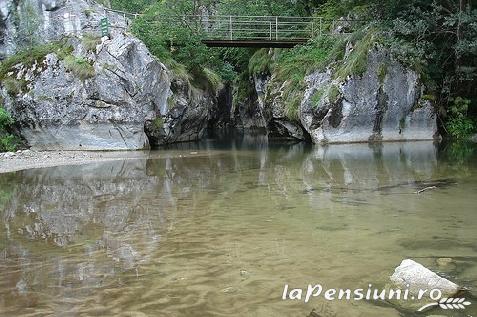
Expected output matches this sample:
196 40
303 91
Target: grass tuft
357 62
34 54
90 41
79 67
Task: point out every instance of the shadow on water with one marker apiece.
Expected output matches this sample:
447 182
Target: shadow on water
112 230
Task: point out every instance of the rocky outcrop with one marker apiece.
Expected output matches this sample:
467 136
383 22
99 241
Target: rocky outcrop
92 93
248 114
58 109
186 117
383 104
264 110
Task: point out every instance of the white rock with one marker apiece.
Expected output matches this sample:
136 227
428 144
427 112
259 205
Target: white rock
419 277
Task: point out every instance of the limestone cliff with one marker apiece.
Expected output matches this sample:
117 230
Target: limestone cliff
83 92
384 103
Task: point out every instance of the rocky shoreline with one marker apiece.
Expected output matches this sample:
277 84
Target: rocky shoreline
28 159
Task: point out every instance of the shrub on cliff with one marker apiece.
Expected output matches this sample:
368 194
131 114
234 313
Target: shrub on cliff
8 142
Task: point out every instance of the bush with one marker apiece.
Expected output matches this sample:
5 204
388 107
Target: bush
5 119
357 62
158 123
213 79
459 125
79 67
460 128
8 143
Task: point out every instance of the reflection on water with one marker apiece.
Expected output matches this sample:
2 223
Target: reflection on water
215 229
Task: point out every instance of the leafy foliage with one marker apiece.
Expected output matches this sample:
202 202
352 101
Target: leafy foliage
133 6
5 119
8 142
459 125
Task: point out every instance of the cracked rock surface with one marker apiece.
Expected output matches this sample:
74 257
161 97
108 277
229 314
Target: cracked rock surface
60 111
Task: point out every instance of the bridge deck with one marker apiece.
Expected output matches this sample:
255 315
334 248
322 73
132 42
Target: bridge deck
255 43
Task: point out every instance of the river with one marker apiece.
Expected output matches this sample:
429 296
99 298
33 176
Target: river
219 228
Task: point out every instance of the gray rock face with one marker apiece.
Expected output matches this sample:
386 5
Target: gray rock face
384 104
265 111
186 116
381 105
104 112
248 114
128 102
41 21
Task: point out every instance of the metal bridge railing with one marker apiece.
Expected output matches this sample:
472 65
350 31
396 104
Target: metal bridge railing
256 27
265 28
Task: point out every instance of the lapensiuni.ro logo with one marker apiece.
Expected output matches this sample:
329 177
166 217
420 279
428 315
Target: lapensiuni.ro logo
431 298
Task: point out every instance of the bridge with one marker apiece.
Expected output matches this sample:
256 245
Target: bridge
255 31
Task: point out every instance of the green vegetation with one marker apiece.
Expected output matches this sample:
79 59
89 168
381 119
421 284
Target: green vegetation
5 119
33 55
90 41
317 96
262 61
357 61
14 86
158 123
133 6
8 142
459 125
333 94
79 67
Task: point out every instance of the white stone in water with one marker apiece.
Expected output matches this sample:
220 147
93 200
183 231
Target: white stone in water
419 277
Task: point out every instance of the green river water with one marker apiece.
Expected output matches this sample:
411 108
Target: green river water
218 229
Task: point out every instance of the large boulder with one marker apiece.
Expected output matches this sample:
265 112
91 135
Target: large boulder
59 108
383 104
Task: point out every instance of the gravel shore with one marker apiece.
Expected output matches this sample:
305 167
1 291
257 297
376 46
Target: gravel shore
21 160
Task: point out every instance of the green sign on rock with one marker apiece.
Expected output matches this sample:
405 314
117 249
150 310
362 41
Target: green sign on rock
104 27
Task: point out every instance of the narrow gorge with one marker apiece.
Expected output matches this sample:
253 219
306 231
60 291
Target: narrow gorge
78 91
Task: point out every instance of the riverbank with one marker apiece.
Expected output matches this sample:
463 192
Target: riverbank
27 159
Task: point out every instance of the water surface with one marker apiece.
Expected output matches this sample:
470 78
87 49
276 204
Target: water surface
214 229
